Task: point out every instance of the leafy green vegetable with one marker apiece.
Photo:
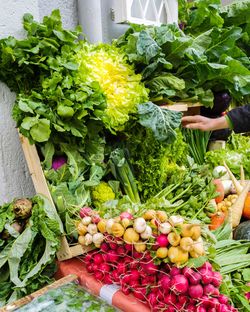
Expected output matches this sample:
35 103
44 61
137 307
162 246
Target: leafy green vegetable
156 162
162 122
235 154
197 142
123 90
189 193
122 172
26 262
190 66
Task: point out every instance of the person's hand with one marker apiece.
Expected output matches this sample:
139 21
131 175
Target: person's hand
204 123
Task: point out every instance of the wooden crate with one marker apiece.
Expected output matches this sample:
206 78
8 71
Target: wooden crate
25 300
41 187
189 109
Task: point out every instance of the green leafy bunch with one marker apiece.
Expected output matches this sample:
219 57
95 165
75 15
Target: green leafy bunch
178 66
156 161
235 154
27 259
42 69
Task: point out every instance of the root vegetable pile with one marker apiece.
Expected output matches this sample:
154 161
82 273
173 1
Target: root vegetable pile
170 239
163 287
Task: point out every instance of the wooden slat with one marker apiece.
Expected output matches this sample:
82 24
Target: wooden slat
23 301
182 106
41 187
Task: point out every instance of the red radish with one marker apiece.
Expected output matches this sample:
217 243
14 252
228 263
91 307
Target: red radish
88 258
121 251
165 282
187 272
175 271
104 267
147 256
170 298
105 257
216 279
152 299
151 279
205 300
206 276
125 290
179 284
207 265
125 279
126 215
134 275
167 268
115 276
183 299
98 259
195 278
150 267
140 294
201 309
129 247
171 309
223 299
98 275
209 290
107 279
89 268
104 247
137 255
95 218
95 267
85 212
195 291
162 240
191 308
113 245
112 256
178 306
214 303
222 308
121 268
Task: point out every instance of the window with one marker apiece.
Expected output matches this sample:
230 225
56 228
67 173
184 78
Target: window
148 12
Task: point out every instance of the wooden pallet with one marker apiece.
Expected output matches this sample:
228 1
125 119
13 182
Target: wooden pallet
33 161
25 300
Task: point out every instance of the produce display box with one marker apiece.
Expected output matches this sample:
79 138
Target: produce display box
23 301
33 161
110 293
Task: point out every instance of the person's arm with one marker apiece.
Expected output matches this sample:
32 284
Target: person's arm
204 123
240 118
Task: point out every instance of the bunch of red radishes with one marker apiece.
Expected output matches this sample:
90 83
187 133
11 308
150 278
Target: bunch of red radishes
164 287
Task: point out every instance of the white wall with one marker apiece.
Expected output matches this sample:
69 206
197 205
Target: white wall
15 180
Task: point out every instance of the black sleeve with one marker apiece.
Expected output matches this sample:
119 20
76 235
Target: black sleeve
240 118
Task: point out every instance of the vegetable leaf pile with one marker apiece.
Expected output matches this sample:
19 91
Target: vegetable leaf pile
212 54
27 261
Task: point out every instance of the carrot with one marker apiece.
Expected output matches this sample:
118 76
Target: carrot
236 209
236 183
217 220
246 209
